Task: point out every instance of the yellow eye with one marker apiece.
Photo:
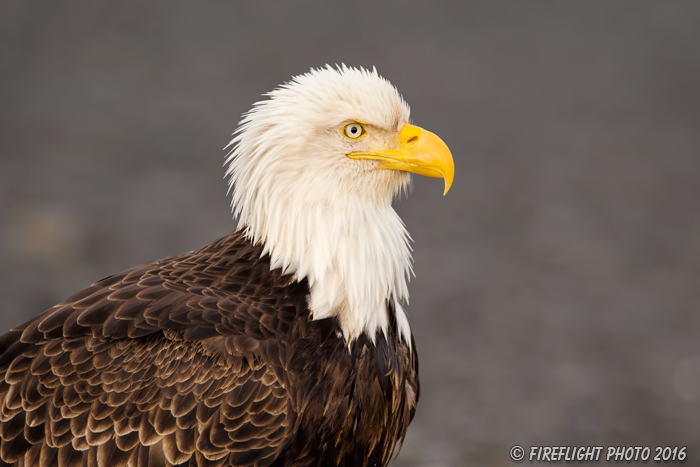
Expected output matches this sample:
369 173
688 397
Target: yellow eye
353 130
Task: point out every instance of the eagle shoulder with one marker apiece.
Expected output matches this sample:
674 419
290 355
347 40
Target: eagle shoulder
173 360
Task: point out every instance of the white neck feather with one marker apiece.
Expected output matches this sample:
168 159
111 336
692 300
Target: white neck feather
355 256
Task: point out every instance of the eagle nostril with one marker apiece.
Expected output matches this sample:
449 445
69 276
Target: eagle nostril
412 141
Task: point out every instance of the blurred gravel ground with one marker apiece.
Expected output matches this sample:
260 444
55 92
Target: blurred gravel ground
558 284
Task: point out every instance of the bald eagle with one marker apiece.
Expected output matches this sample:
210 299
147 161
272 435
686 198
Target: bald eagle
284 343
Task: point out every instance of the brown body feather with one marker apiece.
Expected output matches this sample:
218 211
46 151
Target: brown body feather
202 359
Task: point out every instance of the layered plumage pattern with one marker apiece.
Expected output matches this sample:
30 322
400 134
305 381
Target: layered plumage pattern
203 359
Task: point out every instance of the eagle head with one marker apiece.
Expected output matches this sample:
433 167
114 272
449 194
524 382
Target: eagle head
313 171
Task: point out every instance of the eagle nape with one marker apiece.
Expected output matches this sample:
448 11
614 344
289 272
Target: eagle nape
284 343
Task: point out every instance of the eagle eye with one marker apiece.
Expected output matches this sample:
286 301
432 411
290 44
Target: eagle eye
353 130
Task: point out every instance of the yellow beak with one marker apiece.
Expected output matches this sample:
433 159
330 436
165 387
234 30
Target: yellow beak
422 152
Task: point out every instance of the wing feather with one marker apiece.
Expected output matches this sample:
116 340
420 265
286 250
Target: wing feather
160 363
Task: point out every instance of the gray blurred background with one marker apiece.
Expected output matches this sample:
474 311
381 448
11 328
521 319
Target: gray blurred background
558 284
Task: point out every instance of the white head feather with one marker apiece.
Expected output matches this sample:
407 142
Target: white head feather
319 214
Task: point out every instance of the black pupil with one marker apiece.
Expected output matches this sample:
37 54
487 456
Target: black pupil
353 129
